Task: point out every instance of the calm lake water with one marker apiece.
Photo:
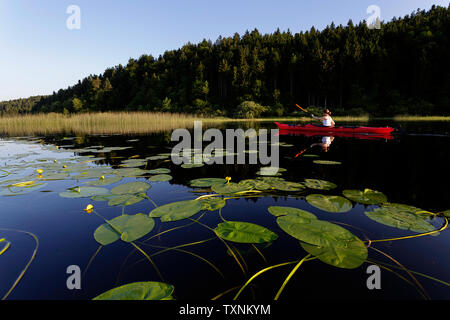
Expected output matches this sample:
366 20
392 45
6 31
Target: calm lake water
411 169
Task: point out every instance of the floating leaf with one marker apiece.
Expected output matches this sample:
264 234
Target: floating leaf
401 216
244 232
157 157
278 211
212 203
139 291
446 213
367 196
159 171
192 165
319 184
125 227
124 200
177 210
329 203
206 182
229 188
83 192
160 177
349 254
329 242
130 172
309 155
255 184
106 181
327 162
131 188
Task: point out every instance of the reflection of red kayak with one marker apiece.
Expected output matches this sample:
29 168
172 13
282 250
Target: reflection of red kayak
366 136
327 130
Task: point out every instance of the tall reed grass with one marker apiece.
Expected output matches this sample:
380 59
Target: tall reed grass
95 123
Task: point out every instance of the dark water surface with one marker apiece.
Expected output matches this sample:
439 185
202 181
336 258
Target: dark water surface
412 168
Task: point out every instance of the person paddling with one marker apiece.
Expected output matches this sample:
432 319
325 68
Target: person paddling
327 121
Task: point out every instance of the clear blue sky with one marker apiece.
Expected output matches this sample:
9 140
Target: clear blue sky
39 54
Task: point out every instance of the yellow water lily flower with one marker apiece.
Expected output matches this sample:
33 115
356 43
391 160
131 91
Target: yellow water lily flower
89 208
64 166
39 171
79 190
55 161
57 147
102 178
228 179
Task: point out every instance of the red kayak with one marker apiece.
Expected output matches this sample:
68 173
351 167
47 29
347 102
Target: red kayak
364 136
326 130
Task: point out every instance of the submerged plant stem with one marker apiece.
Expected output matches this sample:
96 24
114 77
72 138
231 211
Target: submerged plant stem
412 271
149 259
29 261
290 276
224 242
403 268
259 273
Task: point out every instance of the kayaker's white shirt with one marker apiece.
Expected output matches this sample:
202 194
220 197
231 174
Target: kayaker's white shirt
326 141
327 121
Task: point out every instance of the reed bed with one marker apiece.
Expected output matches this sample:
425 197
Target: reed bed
96 123
420 118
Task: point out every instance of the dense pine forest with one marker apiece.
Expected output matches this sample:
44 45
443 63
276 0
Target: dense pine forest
401 68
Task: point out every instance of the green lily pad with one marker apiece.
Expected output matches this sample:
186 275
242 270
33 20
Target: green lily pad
125 227
446 213
213 203
327 162
157 157
348 256
367 196
159 171
105 182
329 242
125 200
329 203
160 177
206 182
84 192
309 155
192 165
131 188
401 217
244 232
177 210
255 184
229 188
278 211
130 172
319 184
139 291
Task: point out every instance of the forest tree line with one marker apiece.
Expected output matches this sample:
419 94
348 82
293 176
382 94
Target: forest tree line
401 68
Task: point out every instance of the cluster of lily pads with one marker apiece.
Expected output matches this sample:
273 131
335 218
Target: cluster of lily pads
322 240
